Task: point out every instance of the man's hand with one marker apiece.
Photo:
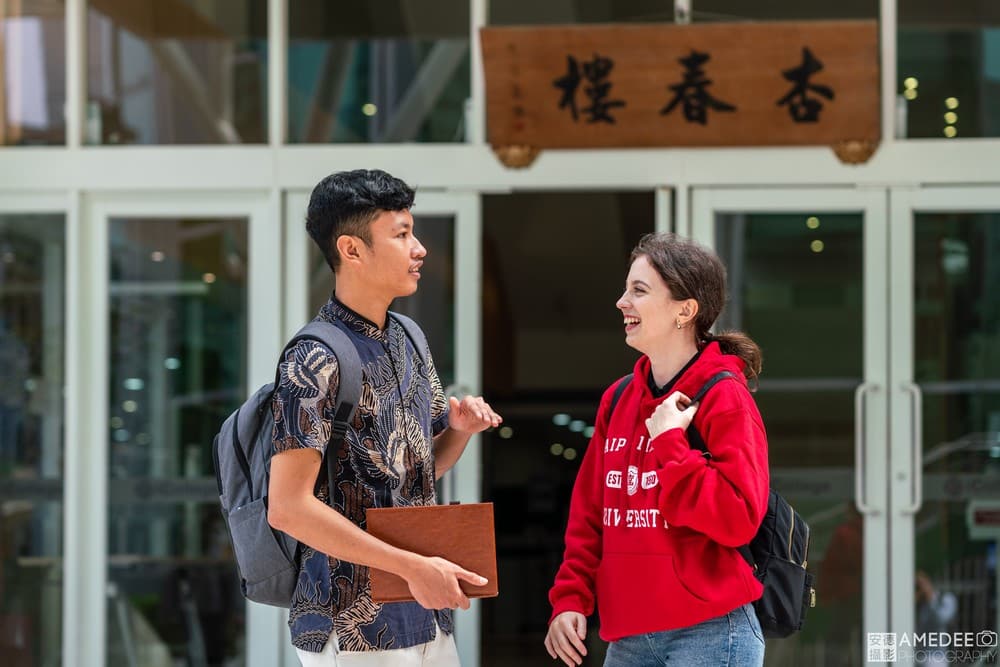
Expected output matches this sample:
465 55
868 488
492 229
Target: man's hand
565 638
434 583
471 415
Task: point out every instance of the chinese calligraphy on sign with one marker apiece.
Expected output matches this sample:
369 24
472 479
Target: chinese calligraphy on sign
682 85
693 93
596 73
803 108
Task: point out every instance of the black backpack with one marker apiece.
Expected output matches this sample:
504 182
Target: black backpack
778 553
268 559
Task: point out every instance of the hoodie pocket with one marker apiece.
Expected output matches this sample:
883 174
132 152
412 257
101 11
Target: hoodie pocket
685 581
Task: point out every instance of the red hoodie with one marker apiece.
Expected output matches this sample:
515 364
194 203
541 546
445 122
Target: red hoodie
654 525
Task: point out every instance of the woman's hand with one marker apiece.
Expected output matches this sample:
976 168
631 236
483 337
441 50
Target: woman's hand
565 638
675 412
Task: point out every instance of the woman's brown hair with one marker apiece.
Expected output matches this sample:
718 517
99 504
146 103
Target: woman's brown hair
692 271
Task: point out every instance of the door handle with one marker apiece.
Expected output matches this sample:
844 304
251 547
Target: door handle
860 447
916 449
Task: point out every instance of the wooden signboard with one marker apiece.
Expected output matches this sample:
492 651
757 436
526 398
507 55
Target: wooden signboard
753 84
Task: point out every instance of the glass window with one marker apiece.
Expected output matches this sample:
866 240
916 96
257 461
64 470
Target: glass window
526 12
32 337
554 264
32 73
378 71
703 11
948 71
178 299
529 12
176 72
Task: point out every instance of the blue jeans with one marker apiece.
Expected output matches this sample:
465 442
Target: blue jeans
734 639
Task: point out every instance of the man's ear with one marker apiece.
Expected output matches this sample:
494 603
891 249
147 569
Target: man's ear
349 248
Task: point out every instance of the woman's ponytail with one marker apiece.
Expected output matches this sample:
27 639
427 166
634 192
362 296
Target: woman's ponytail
741 345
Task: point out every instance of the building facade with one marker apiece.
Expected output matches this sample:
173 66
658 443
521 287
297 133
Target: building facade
156 158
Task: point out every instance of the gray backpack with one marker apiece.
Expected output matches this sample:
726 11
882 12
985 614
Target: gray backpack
268 559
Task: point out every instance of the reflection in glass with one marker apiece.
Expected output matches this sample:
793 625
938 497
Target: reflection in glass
433 305
32 331
782 10
32 73
178 298
378 72
528 12
795 279
948 72
957 367
795 286
554 265
176 72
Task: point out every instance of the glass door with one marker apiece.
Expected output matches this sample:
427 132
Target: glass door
32 434
807 282
945 424
446 306
183 320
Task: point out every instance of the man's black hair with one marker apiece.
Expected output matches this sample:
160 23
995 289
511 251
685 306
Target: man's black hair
346 203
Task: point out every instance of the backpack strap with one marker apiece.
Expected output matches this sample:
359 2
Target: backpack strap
712 381
694 437
617 395
348 386
696 442
415 334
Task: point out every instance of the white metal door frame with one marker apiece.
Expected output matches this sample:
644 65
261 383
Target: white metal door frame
871 401
906 446
464 484
84 626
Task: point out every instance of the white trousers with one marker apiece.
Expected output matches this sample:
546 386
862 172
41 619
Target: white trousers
439 652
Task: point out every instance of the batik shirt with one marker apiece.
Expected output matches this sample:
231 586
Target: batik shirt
385 460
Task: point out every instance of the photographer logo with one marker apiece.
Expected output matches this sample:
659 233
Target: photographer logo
938 647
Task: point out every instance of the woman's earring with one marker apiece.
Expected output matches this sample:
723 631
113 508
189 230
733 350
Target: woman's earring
679 325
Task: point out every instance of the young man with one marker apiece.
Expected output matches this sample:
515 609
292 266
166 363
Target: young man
404 435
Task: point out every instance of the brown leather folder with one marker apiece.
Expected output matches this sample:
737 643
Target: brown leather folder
461 533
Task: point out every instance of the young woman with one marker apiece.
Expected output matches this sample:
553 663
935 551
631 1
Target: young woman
654 524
